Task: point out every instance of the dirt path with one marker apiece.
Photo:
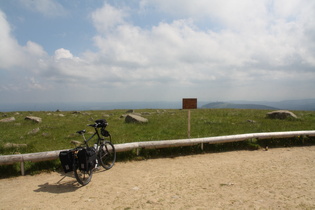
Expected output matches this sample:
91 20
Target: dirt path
276 179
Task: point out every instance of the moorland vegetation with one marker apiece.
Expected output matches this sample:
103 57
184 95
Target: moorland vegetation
58 129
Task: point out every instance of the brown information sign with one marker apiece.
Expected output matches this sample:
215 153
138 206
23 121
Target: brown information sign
189 103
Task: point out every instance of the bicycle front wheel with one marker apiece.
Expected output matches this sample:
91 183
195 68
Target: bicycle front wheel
83 177
107 155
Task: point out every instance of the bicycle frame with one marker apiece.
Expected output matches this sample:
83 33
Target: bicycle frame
99 138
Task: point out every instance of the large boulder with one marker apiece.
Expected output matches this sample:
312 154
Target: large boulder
281 114
132 118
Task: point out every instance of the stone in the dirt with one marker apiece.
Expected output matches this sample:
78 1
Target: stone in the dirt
281 114
132 118
12 145
45 134
34 131
75 142
76 112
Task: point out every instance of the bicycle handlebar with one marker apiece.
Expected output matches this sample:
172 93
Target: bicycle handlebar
99 124
93 125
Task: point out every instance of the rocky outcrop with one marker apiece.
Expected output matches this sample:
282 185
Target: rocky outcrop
132 118
281 114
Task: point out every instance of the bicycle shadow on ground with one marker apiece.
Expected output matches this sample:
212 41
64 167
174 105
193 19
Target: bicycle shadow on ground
66 184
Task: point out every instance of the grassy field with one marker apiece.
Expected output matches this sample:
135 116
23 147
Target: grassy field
57 129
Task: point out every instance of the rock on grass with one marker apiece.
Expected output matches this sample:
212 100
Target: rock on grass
35 119
132 118
10 119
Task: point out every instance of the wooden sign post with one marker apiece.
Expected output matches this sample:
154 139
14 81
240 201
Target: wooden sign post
189 103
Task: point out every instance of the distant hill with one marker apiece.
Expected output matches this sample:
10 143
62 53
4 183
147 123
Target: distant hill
303 104
224 105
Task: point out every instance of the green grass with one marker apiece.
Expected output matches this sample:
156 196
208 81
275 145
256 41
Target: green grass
56 132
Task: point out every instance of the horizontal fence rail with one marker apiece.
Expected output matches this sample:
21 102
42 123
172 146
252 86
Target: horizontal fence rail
52 155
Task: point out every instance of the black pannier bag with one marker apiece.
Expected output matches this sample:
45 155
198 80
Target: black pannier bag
66 159
87 158
105 132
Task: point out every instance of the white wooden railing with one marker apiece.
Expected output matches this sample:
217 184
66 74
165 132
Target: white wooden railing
52 155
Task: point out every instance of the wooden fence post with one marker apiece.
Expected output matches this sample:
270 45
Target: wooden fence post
22 168
188 131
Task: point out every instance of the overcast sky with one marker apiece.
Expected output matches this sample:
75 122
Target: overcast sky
156 50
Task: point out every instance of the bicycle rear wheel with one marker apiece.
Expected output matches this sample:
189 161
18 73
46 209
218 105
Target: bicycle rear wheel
83 177
107 155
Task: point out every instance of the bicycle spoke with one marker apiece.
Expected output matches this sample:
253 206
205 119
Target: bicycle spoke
107 155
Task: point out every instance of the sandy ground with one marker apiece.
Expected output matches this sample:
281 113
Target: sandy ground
282 178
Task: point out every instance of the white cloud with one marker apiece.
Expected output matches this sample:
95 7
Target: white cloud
34 84
9 50
181 53
14 55
253 45
107 17
34 49
228 12
49 8
63 53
